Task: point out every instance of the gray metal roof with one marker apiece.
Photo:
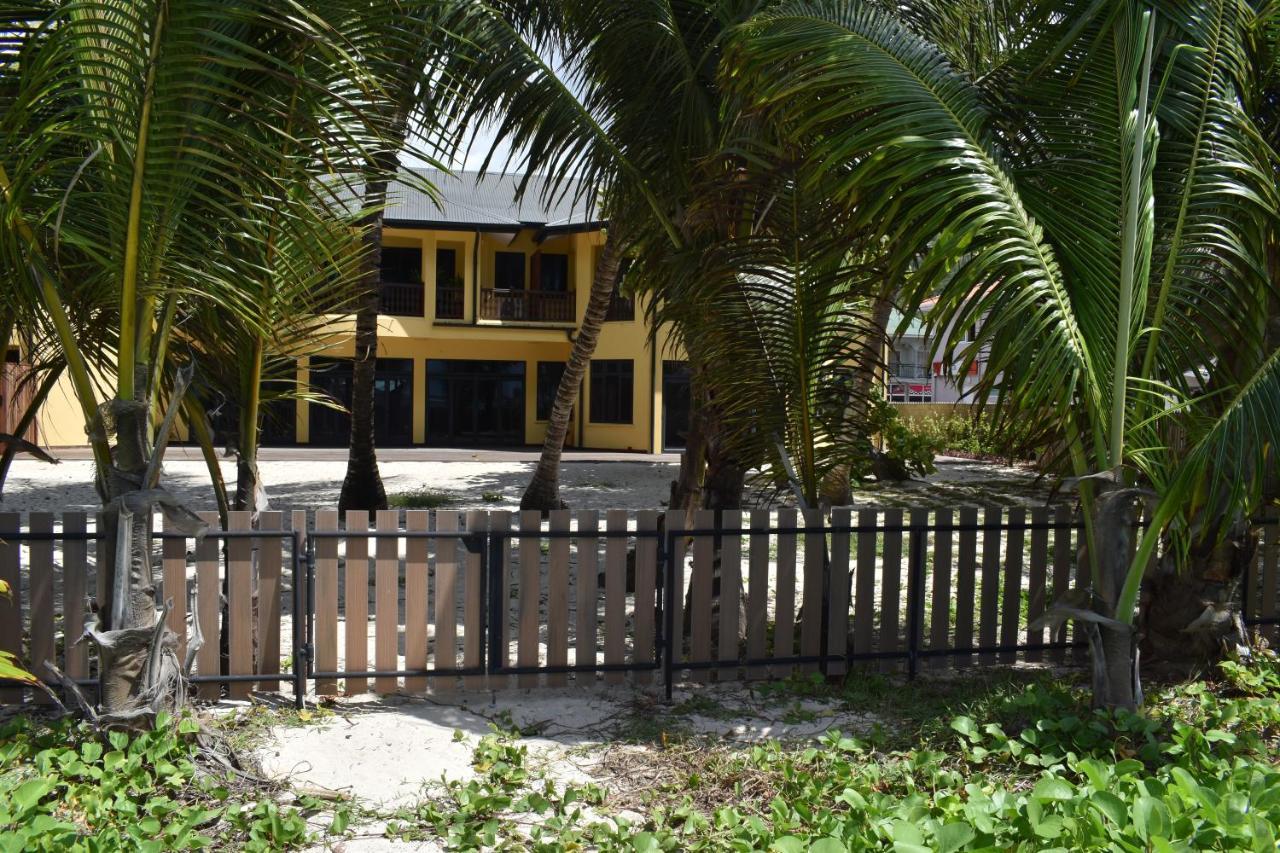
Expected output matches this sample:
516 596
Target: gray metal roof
469 202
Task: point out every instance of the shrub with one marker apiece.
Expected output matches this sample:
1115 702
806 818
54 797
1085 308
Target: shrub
420 499
958 434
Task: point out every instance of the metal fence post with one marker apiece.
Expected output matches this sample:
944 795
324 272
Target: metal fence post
668 611
299 641
915 599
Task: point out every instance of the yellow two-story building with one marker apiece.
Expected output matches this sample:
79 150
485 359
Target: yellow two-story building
481 297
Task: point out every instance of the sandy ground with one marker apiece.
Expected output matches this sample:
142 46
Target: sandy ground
395 751
313 483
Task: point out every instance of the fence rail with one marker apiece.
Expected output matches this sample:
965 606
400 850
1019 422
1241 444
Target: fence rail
449 600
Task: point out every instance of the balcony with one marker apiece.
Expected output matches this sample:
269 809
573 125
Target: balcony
526 306
449 302
401 299
906 370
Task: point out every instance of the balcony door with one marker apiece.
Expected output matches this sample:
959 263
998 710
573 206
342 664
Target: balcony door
475 403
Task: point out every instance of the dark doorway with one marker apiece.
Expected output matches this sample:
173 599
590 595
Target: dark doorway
392 402
475 403
676 404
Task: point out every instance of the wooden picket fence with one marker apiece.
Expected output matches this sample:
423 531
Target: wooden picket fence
442 600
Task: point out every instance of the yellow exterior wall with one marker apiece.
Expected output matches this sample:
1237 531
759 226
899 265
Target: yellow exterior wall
472 338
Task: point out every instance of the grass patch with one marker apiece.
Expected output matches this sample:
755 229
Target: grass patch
421 499
491 497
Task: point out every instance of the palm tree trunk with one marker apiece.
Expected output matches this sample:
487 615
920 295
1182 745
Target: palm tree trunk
248 486
140 671
362 488
543 492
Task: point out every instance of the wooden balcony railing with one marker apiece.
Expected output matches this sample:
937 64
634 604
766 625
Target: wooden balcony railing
400 299
529 306
622 309
449 302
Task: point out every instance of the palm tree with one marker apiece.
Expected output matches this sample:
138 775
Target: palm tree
1099 203
127 149
630 109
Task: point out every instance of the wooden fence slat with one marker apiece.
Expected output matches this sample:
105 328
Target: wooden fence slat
500 526
864 596
585 612
700 583
416 599
815 555
11 607
173 562
208 607
730 593
100 555
784 616
989 601
270 565
1011 594
966 577
558 598
530 591
240 604
40 570
1061 573
386 581
838 591
355 592
75 558
758 592
1270 572
326 616
940 610
676 594
1036 578
646 591
473 602
446 598
891 588
615 596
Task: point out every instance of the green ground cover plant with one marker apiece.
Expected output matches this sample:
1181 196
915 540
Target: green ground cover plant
67 788
1027 766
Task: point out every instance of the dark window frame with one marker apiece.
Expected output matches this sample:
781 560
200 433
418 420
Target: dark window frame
544 266
613 391
545 392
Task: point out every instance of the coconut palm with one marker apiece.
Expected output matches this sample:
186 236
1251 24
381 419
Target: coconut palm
135 135
630 109
1099 204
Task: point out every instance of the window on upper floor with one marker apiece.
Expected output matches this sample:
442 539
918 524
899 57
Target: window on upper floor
622 308
612 382
553 273
401 266
549 373
447 268
508 270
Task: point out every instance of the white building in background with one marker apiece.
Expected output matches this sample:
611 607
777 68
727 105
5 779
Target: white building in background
918 369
